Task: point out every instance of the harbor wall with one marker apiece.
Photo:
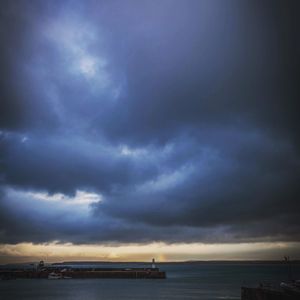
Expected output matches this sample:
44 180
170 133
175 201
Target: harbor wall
134 274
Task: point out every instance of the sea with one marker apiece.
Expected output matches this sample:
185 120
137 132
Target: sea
185 281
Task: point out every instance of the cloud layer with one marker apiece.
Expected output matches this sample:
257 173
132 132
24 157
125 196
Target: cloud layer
133 121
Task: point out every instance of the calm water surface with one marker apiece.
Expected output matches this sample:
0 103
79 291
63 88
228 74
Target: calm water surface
185 281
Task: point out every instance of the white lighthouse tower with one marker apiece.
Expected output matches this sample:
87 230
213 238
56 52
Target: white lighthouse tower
153 263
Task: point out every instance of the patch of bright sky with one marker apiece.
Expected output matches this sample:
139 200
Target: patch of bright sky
24 139
167 180
149 151
54 204
127 151
80 198
81 46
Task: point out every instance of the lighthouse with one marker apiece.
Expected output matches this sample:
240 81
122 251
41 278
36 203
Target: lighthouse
153 263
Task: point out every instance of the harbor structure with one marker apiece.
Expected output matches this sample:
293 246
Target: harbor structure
64 271
285 291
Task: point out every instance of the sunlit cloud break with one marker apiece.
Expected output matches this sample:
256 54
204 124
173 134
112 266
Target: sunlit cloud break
143 253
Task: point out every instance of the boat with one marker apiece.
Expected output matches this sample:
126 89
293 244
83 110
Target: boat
54 275
291 288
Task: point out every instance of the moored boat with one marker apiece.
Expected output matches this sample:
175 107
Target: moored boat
291 288
54 275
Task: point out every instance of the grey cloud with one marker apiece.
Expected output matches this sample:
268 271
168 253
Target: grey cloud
65 163
228 187
200 96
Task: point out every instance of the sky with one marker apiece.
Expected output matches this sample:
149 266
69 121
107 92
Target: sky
139 129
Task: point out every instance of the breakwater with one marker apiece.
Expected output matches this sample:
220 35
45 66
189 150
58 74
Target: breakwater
136 273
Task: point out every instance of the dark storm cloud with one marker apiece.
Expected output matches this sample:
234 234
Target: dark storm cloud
64 164
70 224
205 64
233 187
181 115
18 23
